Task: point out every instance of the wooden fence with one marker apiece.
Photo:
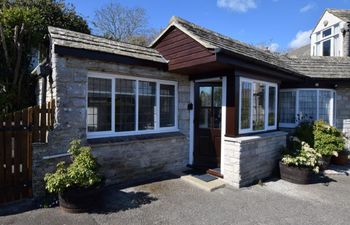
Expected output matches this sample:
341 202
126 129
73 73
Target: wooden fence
18 131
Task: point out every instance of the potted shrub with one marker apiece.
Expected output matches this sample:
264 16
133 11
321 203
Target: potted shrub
300 166
328 141
342 158
78 184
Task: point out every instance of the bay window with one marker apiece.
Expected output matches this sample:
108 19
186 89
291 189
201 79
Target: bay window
306 104
120 105
258 106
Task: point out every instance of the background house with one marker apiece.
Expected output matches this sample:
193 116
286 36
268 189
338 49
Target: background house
331 37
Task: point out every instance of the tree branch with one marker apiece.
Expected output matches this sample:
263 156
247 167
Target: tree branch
4 46
19 47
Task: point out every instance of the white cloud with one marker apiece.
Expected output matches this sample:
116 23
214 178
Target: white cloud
307 7
237 5
302 38
273 47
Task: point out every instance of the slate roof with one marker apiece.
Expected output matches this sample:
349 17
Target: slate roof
300 52
71 39
343 14
321 67
215 41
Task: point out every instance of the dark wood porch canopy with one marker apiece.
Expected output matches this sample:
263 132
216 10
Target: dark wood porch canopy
196 51
200 53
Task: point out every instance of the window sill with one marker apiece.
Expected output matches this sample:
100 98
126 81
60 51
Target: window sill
133 138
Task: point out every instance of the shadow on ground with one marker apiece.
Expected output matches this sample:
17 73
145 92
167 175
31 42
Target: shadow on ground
114 198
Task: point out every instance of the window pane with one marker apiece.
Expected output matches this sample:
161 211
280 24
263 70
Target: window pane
259 106
272 106
245 104
125 105
147 105
205 95
287 107
327 32
167 105
99 104
325 106
308 104
326 48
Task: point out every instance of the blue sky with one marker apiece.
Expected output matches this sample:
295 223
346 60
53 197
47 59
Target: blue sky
278 23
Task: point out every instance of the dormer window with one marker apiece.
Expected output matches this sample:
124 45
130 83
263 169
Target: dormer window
327 42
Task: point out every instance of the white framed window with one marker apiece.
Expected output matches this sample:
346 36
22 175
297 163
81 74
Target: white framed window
310 104
327 42
257 106
125 105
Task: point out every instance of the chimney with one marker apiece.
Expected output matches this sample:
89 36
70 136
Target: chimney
346 41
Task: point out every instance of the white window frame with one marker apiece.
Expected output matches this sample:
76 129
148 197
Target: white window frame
157 128
319 42
266 126
297 90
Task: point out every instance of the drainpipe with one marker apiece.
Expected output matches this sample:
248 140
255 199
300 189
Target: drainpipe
346 41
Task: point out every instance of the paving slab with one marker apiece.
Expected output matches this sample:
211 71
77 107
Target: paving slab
175 201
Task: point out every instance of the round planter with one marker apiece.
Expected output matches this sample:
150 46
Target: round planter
296 175
324 162
78 200
342 159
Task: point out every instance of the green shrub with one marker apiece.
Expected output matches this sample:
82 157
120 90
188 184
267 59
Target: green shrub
304 132
81 173
306 157
328 140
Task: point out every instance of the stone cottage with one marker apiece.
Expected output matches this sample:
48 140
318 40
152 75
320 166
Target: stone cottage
193 98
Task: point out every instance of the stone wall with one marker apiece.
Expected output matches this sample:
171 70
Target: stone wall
343 111
118 160
249 159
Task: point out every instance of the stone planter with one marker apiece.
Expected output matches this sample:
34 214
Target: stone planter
80 200
296 175
324 162
342 159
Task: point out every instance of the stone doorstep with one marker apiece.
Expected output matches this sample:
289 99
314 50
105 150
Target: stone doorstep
206 186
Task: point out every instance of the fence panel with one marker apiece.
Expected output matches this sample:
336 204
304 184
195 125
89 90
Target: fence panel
18 131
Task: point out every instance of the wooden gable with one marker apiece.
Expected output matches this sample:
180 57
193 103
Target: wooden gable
182 51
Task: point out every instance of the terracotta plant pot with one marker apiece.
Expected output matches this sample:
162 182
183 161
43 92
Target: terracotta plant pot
324 162
342 159
80 200
296 175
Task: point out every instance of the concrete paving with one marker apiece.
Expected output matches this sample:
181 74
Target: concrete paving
174 201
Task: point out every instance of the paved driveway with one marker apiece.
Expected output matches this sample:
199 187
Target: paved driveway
173 201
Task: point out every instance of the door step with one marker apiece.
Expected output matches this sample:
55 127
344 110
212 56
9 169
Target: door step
215 172
205 182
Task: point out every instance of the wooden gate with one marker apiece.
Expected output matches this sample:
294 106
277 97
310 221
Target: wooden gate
18 131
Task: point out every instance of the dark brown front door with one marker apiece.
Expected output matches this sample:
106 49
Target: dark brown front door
207 124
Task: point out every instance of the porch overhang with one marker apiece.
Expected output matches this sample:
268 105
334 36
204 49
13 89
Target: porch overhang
223 62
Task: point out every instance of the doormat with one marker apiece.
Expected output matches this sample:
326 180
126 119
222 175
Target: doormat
205 177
